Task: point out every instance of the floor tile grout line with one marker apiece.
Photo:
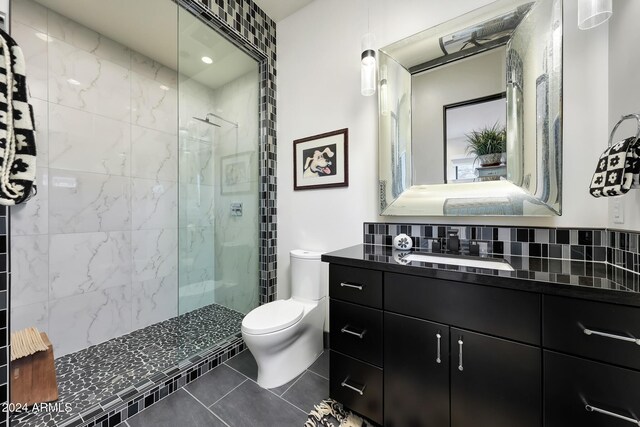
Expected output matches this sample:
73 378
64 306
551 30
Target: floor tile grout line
279 397
206 407
298 408
315 373
229 392
294 383
244 375
282 398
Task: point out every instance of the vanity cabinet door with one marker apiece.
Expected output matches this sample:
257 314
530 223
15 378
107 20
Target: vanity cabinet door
416 372
494 382
580 392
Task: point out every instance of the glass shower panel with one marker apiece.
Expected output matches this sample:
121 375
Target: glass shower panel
218 269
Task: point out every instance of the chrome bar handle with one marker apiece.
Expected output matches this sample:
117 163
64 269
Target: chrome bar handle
438 360
611 414
345 330
360 391
613 336
460 342
350 285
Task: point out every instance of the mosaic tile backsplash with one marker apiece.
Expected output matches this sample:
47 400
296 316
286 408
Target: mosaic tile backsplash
620 248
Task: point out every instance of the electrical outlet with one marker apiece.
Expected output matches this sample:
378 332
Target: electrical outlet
617 212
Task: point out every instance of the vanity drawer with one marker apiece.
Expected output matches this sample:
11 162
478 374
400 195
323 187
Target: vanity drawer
502 312
566 320
357 385
571 383
356 331
357 285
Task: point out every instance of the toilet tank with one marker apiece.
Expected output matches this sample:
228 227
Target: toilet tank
307 280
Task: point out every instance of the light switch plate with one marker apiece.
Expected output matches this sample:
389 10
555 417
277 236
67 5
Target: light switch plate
617 212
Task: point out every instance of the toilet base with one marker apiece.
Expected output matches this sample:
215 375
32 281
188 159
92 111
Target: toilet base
283 355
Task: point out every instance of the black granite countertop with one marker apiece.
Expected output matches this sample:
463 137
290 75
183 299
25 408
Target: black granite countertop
597 281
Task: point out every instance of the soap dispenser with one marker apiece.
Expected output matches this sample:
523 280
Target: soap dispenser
453 241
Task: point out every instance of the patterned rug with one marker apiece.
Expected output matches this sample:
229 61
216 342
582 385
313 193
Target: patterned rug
330 413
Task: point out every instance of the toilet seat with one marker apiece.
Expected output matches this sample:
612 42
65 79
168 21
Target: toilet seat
272 317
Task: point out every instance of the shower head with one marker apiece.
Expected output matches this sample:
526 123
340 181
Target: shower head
207 121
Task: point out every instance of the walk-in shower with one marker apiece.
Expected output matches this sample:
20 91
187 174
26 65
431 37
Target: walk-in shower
140 254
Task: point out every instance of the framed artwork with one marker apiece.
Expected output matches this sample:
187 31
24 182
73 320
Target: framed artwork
236 173
321 161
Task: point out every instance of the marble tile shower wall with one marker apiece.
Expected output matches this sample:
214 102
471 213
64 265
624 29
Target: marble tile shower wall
618 247
95 253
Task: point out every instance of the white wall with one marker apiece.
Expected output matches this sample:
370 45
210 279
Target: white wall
624 91
319 91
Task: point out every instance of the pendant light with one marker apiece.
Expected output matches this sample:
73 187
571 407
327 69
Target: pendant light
368 66
368 63
592 13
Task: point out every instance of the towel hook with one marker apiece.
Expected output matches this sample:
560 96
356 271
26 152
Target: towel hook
622 119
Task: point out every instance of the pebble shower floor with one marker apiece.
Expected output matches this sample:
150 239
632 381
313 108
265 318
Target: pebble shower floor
98 378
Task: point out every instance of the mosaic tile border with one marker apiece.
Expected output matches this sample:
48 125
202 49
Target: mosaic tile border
617 247
5 289
121 366
111 412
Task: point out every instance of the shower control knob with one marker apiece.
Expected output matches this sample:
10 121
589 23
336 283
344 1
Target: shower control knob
236 209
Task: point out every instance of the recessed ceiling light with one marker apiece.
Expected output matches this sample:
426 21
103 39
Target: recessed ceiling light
207 60
73 82
163 87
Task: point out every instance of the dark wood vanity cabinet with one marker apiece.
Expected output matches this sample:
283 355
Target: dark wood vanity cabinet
591 363
416 372
439 375
494 382
356 338
412 351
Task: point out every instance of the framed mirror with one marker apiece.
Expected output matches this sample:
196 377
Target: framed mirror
470 115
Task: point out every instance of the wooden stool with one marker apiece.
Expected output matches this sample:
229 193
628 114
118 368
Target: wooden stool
33 378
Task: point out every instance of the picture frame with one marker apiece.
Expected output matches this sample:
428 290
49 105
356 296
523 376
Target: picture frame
236 171
321 161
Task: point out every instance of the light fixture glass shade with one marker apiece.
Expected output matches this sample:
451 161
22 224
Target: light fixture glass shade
592 13
368 66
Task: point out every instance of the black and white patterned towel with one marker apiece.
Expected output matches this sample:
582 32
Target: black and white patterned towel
17 128
616 169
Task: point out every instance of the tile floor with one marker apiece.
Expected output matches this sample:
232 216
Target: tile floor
229 396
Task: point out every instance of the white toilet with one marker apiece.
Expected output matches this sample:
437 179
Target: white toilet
285 336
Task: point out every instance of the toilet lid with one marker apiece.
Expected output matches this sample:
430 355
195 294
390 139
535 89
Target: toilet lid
272 317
